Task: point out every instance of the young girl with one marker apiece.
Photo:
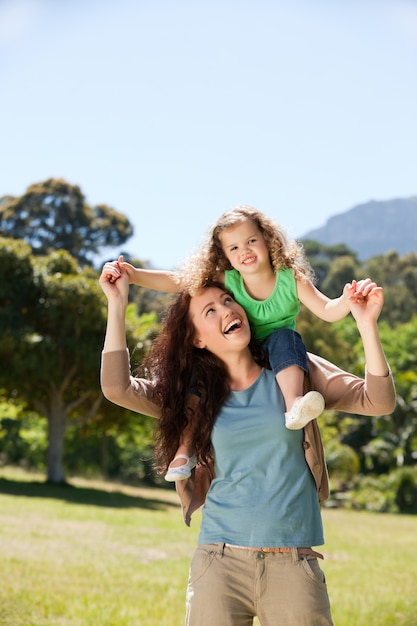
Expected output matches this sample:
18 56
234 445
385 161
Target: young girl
268 274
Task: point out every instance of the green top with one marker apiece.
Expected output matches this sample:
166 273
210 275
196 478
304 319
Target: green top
279 310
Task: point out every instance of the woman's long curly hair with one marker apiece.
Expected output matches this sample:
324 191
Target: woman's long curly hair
210 261
182 372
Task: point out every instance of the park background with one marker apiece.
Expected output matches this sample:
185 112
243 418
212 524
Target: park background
133 126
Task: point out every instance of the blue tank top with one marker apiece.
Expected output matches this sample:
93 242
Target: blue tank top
263 494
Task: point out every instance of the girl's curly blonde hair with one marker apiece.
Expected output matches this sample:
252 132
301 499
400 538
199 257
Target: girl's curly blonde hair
210 261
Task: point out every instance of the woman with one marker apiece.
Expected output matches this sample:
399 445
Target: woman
261 514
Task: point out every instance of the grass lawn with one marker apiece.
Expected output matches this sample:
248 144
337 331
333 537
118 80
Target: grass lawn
99 554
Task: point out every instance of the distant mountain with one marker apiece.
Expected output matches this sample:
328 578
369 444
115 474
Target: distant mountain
373 228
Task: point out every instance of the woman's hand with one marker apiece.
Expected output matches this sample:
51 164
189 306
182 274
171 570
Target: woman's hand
115 285
365 300
114 281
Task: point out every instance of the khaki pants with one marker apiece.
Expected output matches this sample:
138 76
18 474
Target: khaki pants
228 586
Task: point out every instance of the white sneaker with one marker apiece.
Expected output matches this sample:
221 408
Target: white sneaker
182 471
305 409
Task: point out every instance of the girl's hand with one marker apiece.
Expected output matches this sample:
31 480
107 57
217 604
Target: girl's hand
113 280
366 300
112 269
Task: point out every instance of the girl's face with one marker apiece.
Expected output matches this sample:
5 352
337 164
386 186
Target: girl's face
220 323
245 248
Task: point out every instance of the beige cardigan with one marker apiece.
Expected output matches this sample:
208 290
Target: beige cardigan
373 395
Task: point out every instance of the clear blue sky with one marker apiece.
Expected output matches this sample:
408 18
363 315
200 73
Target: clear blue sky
175 111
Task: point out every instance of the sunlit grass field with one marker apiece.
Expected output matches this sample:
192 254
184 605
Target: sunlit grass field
100 554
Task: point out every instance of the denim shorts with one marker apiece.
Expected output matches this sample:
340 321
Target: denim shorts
284 348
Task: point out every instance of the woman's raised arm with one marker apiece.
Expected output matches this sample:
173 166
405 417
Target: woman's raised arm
117 384
374 394
116 292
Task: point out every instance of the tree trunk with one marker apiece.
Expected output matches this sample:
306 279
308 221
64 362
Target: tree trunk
104 456
54 456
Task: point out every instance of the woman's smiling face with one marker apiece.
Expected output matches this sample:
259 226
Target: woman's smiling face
220 322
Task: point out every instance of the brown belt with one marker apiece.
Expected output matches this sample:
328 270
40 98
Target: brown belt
307 551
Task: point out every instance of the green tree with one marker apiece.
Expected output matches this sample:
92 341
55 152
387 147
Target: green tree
54 215
322 258
322 338
398 276
342 270
53 352
19 295
400 346
386 442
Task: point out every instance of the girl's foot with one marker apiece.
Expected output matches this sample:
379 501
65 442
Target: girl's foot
304 410
182 471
